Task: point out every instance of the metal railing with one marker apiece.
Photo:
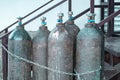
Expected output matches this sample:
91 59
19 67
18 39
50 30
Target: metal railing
27 15
49 9
30 20
5 37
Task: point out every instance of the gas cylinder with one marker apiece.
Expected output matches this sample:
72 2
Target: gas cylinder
40 44
60 52
19 44
88 54
73 30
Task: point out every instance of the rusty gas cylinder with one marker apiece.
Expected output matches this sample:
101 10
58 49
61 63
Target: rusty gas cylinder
73 30
60 52
88 56
40 47
19 44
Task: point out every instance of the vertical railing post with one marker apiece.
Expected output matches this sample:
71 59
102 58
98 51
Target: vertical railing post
110 28
103 52
102 28
91 6
102 15
69 5
5 56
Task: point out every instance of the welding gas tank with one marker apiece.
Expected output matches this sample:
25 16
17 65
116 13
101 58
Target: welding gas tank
19 44
88 55
60 53
40 47
73 30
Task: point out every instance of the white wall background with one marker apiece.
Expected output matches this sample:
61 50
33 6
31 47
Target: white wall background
10 9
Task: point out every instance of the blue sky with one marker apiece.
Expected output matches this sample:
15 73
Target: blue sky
11 9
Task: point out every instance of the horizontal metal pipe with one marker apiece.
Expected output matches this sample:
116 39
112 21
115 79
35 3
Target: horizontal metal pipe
116 32
117 3
101 6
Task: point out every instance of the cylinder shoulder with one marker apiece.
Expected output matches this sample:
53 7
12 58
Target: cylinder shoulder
19 34
91 32
72 28
58 33
41 35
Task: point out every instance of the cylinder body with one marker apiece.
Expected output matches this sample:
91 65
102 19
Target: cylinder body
40 46
88 56
73 30
60 53
19 44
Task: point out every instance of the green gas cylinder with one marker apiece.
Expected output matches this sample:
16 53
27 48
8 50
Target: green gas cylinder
89 49
19 44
